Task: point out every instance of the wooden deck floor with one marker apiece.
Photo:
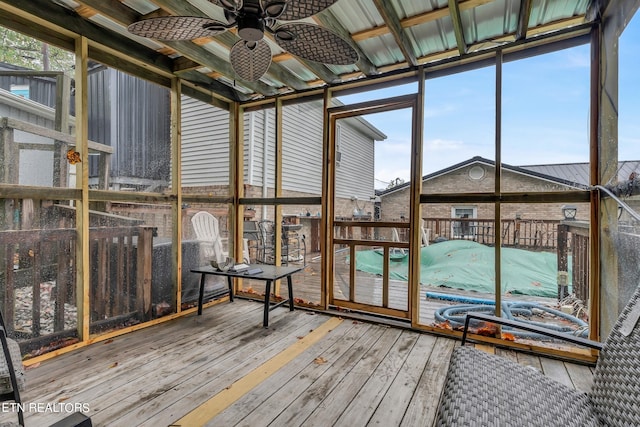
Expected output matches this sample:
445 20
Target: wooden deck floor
224 369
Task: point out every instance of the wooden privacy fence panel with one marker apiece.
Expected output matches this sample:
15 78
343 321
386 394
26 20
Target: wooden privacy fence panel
580 266
120 271
45 259
573 239
31 258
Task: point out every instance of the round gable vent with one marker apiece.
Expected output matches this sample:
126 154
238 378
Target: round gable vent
476 172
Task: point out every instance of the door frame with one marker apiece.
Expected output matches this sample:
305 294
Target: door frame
415 103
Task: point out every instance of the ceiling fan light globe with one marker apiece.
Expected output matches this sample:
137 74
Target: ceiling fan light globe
250 28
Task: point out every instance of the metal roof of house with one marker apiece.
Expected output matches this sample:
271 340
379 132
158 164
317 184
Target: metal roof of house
579 172
390 36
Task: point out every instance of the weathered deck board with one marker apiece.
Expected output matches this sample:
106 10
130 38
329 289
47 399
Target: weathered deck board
581 376
374 389
278 391
335 403
304 393
423 406
394 404
184 388
556 370
356 374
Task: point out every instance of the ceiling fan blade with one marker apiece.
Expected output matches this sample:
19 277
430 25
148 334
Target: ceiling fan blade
297 9
177 27
250 60
315 43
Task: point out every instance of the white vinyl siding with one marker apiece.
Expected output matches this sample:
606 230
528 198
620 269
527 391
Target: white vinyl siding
254 148
355 176
205 144
205 149
302 148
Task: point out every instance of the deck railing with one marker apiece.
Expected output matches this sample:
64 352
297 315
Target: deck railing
539 234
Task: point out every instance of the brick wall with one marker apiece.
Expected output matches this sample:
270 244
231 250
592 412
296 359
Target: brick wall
396 204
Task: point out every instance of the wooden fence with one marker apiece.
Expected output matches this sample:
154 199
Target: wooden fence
120 260
573 239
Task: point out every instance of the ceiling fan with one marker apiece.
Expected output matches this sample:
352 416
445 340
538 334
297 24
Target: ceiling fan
251 56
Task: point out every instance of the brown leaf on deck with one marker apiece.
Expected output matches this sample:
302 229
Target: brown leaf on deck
113 365
444 325
319 360
488 330
508 337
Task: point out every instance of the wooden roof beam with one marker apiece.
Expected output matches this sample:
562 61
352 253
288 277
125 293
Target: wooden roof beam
523 19
327 19
392 20
456 19
421 18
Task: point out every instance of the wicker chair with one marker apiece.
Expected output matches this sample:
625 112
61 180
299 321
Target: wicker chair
12 375
488 390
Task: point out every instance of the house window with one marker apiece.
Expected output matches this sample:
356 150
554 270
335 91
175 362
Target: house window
463 229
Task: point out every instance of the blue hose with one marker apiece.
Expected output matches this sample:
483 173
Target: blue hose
455 315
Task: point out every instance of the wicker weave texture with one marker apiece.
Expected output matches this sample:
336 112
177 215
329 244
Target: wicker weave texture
16 358
616 380
487 390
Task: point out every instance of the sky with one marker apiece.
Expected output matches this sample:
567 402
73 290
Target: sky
545 114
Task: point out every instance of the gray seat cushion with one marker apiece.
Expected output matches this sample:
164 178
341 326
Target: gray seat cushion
616 380
487 390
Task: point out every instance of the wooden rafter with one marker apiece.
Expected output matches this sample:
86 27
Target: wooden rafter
421 18
456 19
390 18
523 19
328 20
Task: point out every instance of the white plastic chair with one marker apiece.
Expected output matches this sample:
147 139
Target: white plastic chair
425 232
207 232
397 253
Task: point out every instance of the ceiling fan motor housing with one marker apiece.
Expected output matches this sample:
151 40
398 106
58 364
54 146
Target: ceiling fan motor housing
250 27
